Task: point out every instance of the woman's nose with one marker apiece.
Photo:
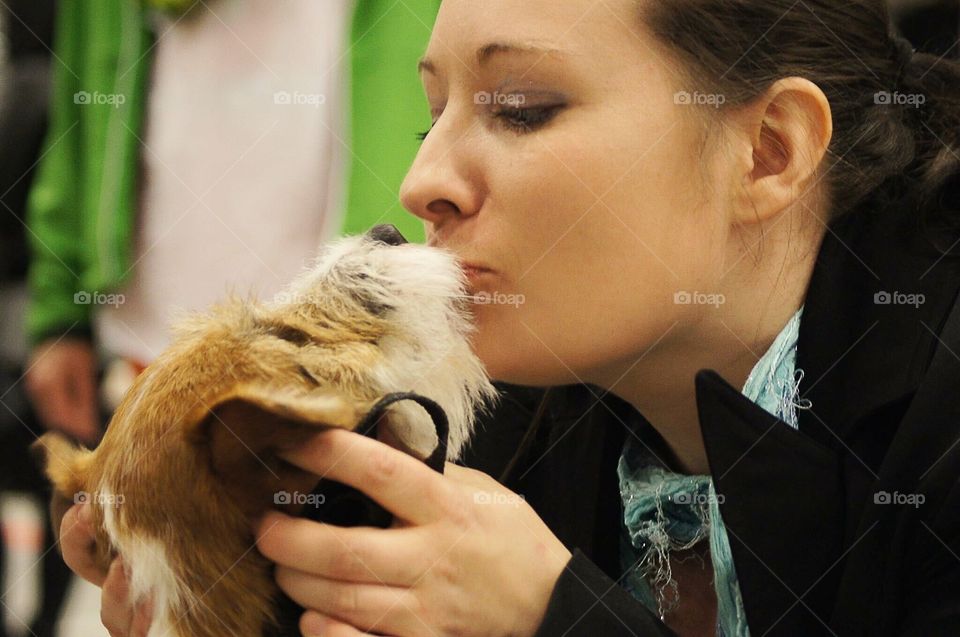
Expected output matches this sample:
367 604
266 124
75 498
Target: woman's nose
439 184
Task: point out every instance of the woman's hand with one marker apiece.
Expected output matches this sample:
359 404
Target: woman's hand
118 615
464 557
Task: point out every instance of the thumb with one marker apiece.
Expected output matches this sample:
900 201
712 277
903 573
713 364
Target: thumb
78 544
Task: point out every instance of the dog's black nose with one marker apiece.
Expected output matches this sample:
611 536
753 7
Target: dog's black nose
386 233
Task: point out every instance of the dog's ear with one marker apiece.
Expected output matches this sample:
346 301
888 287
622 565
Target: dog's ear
242 433
65 465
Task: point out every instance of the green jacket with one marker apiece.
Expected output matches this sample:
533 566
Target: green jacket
82 208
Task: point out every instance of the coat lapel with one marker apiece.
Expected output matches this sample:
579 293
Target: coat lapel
878 295
922 461
794 499
782 506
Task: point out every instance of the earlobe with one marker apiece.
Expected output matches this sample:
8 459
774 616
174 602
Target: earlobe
790 128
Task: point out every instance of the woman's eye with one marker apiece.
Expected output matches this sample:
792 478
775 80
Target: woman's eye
518 120
525 120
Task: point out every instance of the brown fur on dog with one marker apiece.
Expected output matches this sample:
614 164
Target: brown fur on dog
189 459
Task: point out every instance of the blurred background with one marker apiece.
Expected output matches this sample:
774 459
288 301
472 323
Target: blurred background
155 154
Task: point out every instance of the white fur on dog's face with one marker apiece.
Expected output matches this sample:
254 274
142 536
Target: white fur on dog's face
421 293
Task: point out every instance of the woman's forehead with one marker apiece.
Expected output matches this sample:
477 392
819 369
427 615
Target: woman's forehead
471 34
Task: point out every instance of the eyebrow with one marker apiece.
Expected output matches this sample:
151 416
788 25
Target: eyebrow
488 51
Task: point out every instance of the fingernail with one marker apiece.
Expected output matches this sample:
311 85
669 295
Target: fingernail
314 625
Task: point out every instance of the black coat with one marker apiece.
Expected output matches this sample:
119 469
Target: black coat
817 551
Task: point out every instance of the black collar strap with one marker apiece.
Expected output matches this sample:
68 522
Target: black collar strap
368 425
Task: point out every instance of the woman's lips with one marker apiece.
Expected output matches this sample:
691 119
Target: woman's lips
475 272
469 268
475 275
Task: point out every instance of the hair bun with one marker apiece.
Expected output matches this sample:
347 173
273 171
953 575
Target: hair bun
904 53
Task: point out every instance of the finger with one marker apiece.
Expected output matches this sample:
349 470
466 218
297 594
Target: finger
116 612
364 606
142 619
396 557
85 379
313 624
469 477
83 405
71 425
53 407
59 410
78 545
400 483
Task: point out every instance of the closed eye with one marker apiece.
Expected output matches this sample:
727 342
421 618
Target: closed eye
526 120
518 120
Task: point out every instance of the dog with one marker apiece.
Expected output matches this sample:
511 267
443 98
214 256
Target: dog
190 457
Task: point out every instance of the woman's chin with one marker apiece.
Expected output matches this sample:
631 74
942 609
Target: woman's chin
521 364
511 353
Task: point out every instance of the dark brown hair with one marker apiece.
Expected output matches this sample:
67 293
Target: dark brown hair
871 76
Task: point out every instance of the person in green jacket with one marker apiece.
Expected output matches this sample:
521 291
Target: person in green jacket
83 206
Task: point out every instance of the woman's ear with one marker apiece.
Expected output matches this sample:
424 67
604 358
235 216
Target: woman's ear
784 135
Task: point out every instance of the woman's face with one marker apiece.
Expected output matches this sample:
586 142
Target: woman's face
561 162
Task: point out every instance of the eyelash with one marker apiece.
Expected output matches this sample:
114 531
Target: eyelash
526 120
518 120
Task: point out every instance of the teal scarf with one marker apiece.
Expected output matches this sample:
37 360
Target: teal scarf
665 511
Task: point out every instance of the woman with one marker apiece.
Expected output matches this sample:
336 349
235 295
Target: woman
667 202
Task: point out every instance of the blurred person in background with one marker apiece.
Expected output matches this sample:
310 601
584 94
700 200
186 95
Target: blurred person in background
193 148
26 28
198 147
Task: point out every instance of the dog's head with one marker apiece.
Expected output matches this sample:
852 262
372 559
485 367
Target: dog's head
373 315
192 453
414 300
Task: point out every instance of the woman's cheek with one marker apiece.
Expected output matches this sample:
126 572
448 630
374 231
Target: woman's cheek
524 338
